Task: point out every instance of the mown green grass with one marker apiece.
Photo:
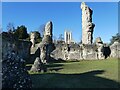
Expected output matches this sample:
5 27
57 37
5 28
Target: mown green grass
82 74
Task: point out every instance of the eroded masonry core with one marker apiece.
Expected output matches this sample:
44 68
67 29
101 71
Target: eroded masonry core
87 25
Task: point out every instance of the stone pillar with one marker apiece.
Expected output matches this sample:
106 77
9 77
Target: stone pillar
87 25
32 39
115 50
100 48
100 51
68 37
43 55
65 36
48 29
46 46
48 33
66 52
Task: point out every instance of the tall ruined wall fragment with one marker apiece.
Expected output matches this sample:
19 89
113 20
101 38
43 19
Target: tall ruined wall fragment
87 25
46 45
47 39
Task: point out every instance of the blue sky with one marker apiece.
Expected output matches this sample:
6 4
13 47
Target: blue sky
64 15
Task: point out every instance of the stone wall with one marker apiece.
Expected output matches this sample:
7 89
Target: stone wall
14 72
84 51
115 50
74 52
89 52
23 47
97 51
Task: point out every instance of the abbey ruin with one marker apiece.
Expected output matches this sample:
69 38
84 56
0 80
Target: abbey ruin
68 50
47 50
15 52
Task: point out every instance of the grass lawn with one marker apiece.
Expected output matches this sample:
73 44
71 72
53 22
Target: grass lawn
82 74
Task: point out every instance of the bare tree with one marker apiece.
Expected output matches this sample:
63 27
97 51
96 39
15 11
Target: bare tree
54 39
10 27
61 37
41 29
115 38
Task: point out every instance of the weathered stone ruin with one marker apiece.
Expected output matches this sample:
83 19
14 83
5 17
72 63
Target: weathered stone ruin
86 50
89 52
68 37
32 39
87 25
100 47
16 52
115 50
47 37
47 43
36 67
45 47
14 72
74 52
66 50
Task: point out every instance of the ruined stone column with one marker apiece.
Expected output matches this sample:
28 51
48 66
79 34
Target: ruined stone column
66 52
100 48
65 37
48 33
46 45
32 39
43 55
68 38
115 50
87 25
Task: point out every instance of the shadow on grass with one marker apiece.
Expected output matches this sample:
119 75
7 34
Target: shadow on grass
83 80
28 67
50 66
53 60
55 69
59 60
33 57
54 65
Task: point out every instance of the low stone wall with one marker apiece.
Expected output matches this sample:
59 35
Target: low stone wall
75 56
21 47
81 52
74 52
